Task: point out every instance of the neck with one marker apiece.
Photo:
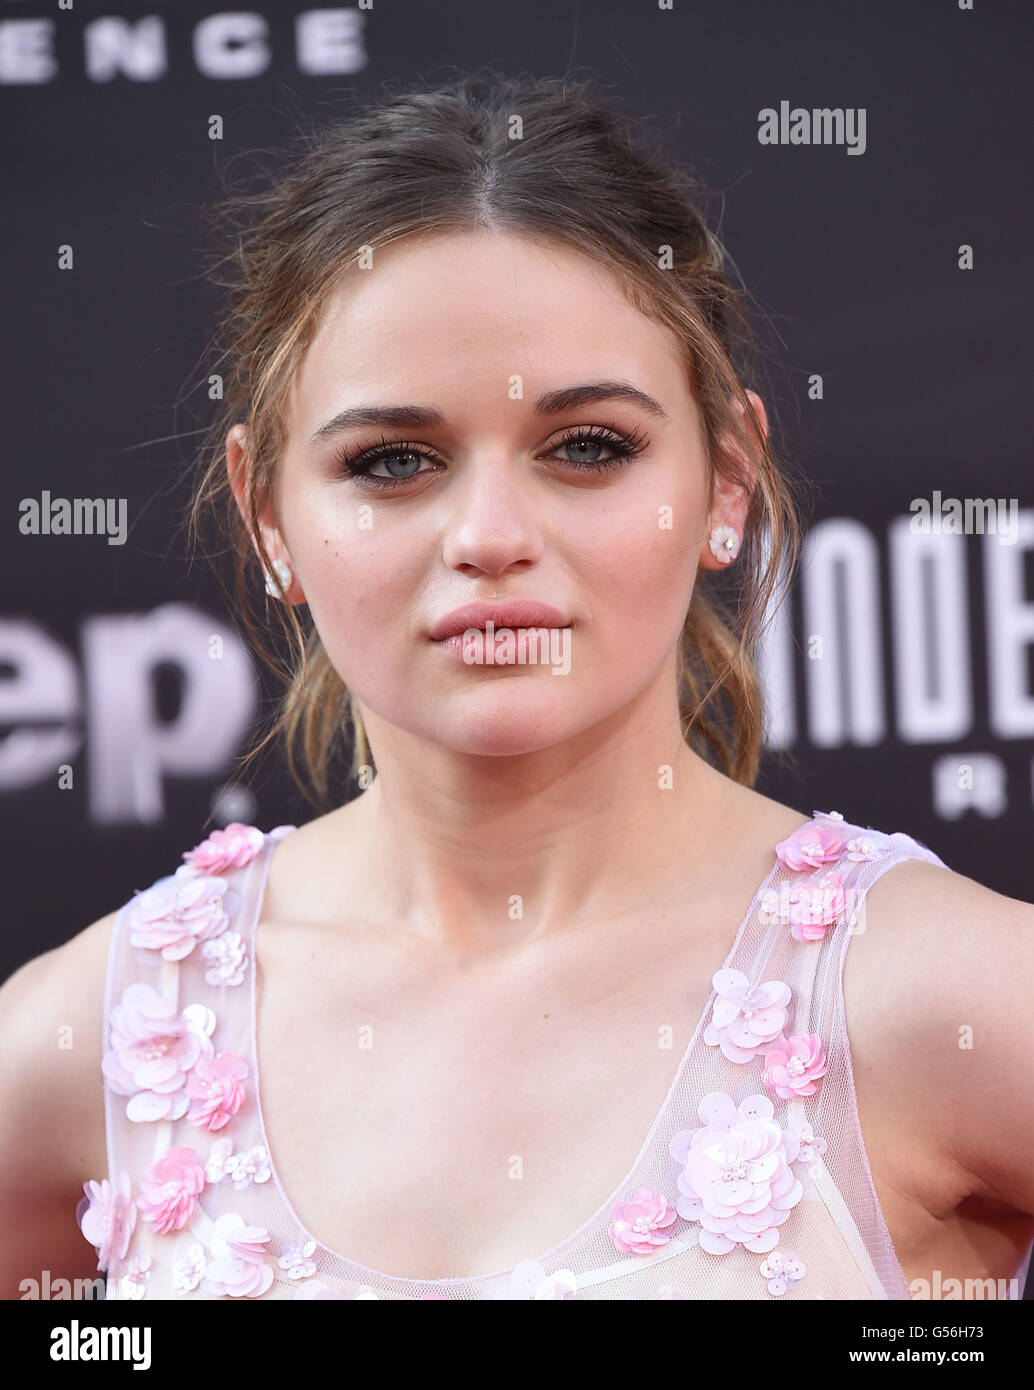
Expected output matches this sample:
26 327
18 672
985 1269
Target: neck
482 853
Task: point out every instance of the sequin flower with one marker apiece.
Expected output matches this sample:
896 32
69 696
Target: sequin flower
296 1259
216 1089
169 1190
814 844
244 1168
217 1166
638 1226
814 907
793 1066
179 911
239 1268
782 1269
189 1270
248 1168
230 848
745 1021
863 847
735 1178
107 1216
813 1146
225 958
133 1284
153 1047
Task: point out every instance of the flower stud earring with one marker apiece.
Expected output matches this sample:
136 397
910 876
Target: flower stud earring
725 543
279 581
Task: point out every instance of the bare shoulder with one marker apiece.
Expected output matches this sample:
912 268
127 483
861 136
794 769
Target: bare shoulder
745 817
316 866
937 995
51 1012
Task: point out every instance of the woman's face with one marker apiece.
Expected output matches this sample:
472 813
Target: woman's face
487 495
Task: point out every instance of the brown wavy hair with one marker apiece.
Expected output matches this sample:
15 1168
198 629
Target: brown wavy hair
548 158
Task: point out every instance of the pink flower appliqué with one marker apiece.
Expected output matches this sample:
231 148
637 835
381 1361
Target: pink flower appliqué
169 1190
152 1049
782 1269
216 1089
249 1168
230 848
226 959
189 1270
133 1284
736 1179
863 847
814 844
814 907
243 1169
794 1064
745 1021
813 1146
297 1260
177 912
239 1268
638 1226
107 1216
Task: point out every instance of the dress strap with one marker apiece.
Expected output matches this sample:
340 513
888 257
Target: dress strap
834 1110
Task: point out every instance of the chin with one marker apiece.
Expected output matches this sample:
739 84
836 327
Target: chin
500 724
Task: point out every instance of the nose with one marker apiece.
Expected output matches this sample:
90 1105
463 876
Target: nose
492 526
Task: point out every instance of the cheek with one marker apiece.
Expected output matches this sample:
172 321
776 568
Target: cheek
637 578
351 575
353 584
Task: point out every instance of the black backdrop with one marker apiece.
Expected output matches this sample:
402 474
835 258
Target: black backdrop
854 258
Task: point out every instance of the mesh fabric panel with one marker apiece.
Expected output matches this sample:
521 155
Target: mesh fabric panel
836 1227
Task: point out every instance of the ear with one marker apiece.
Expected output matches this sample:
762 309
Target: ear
731 501
237 466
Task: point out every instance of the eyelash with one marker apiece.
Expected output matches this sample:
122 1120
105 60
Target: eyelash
625 447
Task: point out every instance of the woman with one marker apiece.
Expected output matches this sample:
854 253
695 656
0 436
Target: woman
483 421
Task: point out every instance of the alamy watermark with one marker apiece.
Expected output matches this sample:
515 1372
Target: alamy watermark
520 646
75 516
981 1289
76 1343
825 125
47 1288
966 516
812 908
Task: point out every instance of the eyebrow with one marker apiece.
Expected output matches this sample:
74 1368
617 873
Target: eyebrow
550 403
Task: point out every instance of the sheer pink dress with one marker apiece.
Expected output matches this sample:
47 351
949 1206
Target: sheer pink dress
753 1181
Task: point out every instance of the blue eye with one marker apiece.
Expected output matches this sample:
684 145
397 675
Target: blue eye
413 456
622 448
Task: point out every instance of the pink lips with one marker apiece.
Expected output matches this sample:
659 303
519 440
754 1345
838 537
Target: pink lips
513 613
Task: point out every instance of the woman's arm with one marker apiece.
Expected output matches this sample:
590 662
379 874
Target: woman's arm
51 1109
947 994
